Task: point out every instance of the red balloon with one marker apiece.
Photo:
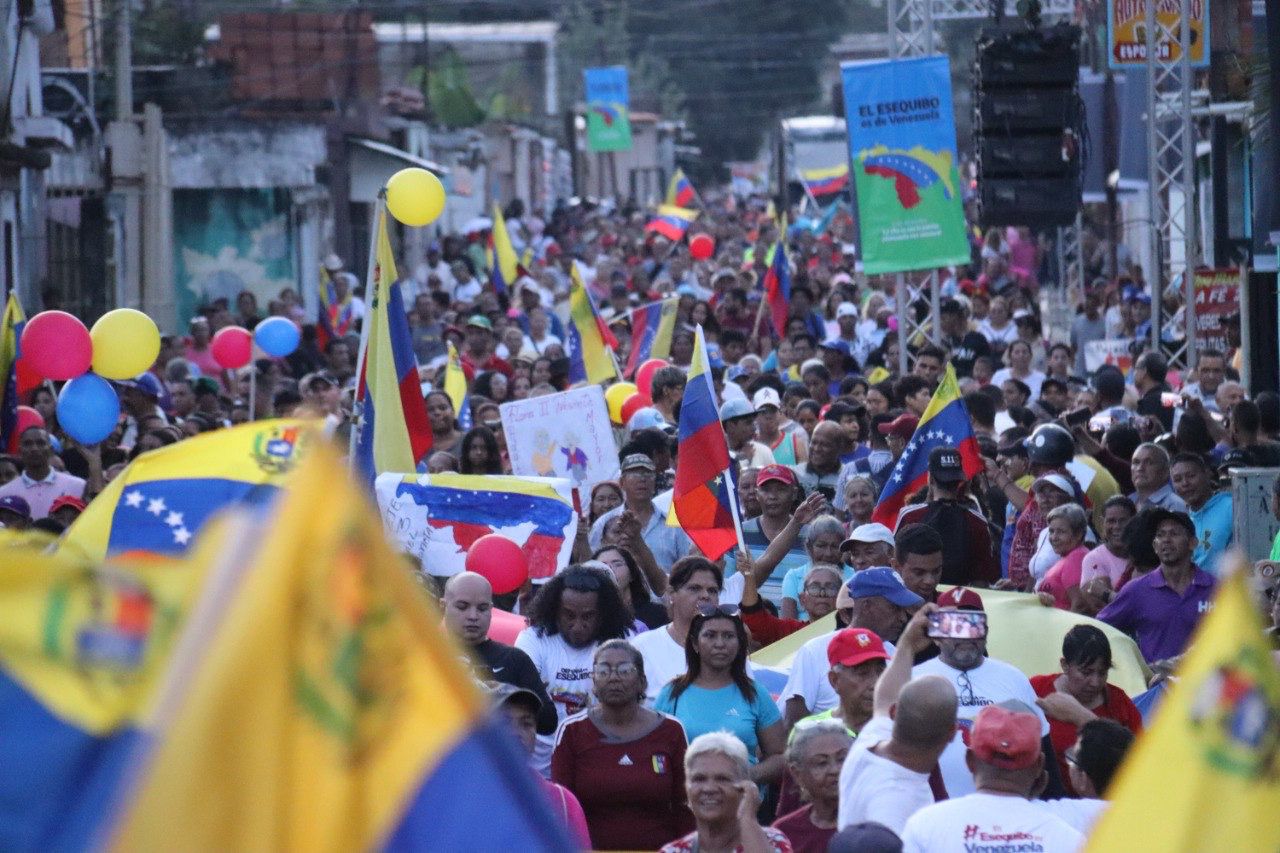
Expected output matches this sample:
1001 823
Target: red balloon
504 626
633 404
27 418
500 560
701 246
232 347
644 376
56 345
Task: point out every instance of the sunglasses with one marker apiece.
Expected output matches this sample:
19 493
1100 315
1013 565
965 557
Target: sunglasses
496 426
622 670
708 610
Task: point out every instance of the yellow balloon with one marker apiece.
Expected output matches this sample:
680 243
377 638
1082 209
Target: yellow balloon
415 197
614 396
125 344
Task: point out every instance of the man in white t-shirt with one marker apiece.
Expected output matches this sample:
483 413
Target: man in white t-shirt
876 599
1007 764
979 681
885 777
39 483
695 583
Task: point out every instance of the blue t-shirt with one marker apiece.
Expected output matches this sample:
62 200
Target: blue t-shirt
791 585
701 711
1213 529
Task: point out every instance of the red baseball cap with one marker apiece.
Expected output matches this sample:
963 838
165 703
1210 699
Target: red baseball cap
903 426
66 500
853 646
1006 737
961 598
781 473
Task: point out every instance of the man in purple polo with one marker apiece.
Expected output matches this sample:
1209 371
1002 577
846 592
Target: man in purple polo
1161 609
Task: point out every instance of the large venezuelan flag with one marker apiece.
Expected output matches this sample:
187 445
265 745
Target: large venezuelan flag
589 341
672 222
82 649
160 501
394 433
777 284
680 191
652 327
945 424
504 268
704 501
314 703
437 517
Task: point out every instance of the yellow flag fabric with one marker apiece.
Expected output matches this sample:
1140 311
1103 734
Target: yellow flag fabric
504 268
1023 632
1206 775
455 383
311 697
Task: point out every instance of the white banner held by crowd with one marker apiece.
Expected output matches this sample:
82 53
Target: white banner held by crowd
562 435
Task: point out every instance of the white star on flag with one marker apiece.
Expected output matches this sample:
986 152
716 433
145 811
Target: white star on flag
133 498
182 536
173 519
156 506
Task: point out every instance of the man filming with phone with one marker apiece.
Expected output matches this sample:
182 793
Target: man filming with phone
959 627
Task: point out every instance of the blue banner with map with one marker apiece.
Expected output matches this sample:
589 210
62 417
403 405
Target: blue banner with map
608 108
902 144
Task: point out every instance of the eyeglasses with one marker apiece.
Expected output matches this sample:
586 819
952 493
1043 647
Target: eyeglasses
823 590
1072 756
622 670
708 610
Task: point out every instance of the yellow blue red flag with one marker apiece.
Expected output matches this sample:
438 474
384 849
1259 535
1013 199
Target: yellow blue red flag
455 385
671 222
159 502
652 327
315 703
590 342
680 191
392 430
11 326
1206 775
504 268
82 648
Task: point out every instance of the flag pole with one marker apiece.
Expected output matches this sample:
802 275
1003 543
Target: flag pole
357 405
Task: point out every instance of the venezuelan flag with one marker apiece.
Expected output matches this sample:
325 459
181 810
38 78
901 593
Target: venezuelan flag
82 650
704 501
534 512
394 433
163 498
671 222
11 326
455 385
336 316
316 704
820 182
777 284
589 341
1219 726
504 269
945 424
652 327
680 191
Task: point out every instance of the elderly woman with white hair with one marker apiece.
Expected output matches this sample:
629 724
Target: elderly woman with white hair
724 801
815 755
1060 587
822 540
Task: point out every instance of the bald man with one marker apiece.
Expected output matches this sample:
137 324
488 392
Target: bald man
468 610
885 776
821 471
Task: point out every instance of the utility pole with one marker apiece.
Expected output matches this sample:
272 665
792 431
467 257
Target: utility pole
124 61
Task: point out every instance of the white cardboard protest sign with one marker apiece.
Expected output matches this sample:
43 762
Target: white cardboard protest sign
562 435
1110 351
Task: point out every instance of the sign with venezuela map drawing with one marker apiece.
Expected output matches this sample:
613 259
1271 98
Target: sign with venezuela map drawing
902 144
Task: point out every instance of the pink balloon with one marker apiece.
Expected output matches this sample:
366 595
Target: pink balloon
644 376
232 347
57 345
27 418
504 626
500 560
701 246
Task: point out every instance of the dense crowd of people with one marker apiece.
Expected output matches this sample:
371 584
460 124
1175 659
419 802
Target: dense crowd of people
1103 493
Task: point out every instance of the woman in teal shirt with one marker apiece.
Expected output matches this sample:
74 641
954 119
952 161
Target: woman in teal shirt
716 694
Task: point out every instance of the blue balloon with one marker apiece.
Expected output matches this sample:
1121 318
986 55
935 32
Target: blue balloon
277 336
88 408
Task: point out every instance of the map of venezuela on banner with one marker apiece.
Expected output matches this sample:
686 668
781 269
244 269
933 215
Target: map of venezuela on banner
902 142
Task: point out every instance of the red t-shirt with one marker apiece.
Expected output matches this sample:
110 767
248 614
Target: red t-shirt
632 792
803 835
1117 706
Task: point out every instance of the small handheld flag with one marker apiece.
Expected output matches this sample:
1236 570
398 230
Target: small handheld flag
455 385
672 222
680 192
652 327
777 284
504 268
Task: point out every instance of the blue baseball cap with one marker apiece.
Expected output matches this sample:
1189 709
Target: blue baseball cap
736 407
883 582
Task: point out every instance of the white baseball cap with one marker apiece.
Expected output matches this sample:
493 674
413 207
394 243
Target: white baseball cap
766 397
846 309
870 533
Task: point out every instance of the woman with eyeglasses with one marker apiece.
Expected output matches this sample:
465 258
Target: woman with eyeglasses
1080 693
623 761
716 693
572 614
822 541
